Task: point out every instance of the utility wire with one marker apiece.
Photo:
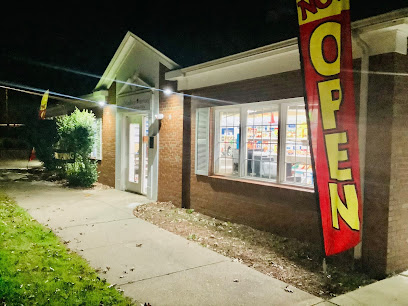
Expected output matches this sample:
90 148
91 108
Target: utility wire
54 95
92 75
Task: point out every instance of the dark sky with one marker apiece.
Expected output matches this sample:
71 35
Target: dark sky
85 38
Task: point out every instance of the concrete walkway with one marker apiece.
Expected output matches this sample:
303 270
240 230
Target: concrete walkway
19 164
149 263
390 291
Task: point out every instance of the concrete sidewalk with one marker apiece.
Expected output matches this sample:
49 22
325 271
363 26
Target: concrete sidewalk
390 291
13 164
149 263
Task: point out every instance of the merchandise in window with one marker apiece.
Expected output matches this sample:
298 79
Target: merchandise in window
274 138
262 142
298 165
227 143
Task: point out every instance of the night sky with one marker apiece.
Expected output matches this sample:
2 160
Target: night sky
85 39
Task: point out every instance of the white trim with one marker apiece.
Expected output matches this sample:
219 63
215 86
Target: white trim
97 128
242 135
97 96
120 56
385 34
265 51
243 108
134 80
216 140
283 112
199 113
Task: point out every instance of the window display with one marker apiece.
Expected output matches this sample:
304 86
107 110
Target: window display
298 166
227 157
262 142
267 153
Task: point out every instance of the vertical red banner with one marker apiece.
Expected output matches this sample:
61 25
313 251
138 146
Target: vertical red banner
326 51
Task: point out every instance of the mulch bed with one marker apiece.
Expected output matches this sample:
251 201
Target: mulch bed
294 262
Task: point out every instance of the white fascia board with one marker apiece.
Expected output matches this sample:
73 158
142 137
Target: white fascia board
287 61
381 21
254 54
382 33
382 42
166 61
174 75
120 55
97 96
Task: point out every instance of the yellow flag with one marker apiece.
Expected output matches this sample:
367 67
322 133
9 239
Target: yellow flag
43 106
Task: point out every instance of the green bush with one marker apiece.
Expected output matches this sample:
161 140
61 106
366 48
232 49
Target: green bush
80 173
77 133
76 137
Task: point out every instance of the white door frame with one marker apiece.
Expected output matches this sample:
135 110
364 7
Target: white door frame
153 158
140 185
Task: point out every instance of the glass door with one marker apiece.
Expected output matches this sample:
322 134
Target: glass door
136 154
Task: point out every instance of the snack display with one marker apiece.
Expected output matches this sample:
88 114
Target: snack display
297 150
302 173
296 131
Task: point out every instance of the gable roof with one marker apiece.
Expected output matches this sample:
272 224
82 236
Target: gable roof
128 42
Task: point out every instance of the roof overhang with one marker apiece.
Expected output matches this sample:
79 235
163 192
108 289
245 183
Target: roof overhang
120 56
384 34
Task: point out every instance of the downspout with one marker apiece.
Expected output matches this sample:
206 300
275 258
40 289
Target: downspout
362 124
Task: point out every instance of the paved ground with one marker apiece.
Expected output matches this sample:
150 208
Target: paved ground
156 266
149 263
390 291
19 164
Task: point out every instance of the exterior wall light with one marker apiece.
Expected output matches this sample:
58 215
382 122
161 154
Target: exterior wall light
102 103
167 91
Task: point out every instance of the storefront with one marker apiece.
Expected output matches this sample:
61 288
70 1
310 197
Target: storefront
130 139
245 155
233 141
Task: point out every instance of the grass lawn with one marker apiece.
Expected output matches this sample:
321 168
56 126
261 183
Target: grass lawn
37 268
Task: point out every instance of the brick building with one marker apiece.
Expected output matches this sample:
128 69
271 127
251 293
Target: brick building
233 144
129 159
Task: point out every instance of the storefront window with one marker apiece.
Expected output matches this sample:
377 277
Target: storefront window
261 158
227 143
274 138
298 165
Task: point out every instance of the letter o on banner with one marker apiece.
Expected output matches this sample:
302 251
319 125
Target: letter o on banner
316 48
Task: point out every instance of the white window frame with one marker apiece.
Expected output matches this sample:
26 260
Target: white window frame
206 113
282 123
98 128
217 111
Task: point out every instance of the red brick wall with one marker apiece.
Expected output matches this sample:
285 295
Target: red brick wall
397 252
291 212
378 165
170 144
106 167
283 210
294 213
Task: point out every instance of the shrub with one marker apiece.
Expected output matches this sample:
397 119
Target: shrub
77 133
80 173
76 137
